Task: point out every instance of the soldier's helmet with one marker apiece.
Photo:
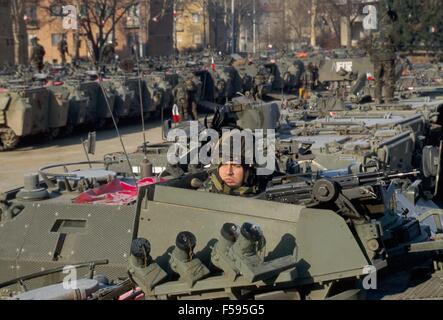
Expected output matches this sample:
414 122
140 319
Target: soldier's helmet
34 39
237 147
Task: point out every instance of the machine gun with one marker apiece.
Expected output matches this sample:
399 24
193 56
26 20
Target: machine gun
314 190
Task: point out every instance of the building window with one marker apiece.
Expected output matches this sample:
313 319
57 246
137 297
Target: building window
56 38
31 16
197 39
56 10
133 16
196 18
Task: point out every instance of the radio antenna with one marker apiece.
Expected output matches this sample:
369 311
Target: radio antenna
146 167
142 108
105 95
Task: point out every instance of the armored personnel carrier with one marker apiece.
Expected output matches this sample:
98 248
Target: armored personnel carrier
239 113
317 234
304 237
56 107
343 135
228 83
26 111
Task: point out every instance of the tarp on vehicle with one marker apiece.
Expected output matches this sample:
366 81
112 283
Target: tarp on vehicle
115 193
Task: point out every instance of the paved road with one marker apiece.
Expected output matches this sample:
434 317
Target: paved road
14 164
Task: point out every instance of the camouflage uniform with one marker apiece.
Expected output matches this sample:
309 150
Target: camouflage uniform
63 50
293 76
309 77
383 56
37 56
108 54
184 96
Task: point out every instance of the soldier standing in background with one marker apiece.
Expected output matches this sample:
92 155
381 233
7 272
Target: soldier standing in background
63 49
108 53
308 81
184 96
293 77
37 55
108 56
383 53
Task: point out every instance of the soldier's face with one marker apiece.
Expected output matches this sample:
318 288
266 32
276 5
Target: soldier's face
232 174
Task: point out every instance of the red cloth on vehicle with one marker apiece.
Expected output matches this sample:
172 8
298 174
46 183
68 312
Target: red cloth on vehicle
115 193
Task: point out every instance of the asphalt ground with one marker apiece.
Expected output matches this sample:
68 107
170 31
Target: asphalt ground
37 152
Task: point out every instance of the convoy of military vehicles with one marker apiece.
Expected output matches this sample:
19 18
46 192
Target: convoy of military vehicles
356 190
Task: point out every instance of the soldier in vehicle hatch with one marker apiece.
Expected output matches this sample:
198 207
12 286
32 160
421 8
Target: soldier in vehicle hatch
383 53
236 172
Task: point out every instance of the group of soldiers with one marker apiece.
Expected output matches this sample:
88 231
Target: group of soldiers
301 80
38 53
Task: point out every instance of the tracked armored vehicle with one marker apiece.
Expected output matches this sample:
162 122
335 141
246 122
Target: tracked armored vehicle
305 237
26 111
313 235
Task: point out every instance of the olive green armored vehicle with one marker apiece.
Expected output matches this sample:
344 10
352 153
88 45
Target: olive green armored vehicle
322 233
321 236
241 113
378 139
26 111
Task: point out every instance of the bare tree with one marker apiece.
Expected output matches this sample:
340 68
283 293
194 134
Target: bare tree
19 31
314 7
298 18
97 20
334 11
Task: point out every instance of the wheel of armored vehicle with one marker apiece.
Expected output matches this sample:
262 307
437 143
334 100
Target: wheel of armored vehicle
9 140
